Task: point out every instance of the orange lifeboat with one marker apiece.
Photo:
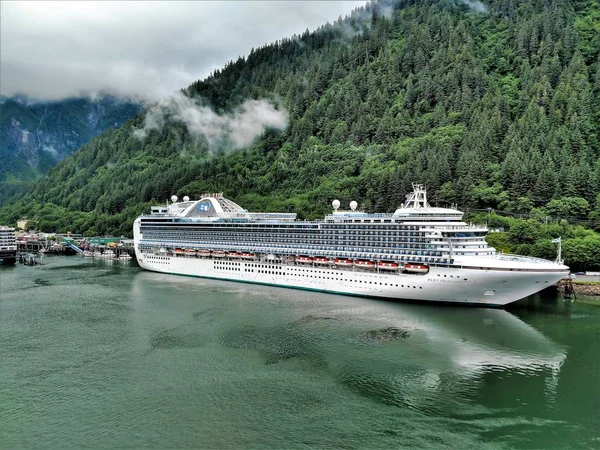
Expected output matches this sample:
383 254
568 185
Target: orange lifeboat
190 252
179 251
342 262
234 254
247 255
387 265
322 260
304 259
416 268
219 254
204 253
365 263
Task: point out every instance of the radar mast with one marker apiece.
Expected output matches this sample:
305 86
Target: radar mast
418 198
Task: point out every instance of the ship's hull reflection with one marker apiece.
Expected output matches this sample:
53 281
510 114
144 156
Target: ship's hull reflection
399 354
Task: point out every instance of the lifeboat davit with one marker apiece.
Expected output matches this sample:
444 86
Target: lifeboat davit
204 253
387 265
342 262
322 260
304 259
246 255
417 268
234 254
364 263
219 254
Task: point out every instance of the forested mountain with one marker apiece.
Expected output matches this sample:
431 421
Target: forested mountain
491 105
36 135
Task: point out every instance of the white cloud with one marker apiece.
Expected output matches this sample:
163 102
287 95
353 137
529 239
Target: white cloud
238 128
52 50
475 5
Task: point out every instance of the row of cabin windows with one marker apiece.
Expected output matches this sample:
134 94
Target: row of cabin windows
422 244
391 251
423 256
290 232
276 272
396 237
271 238
381 242
289 227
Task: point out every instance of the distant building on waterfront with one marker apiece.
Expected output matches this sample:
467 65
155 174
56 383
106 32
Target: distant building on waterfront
70 235
104 240
22 224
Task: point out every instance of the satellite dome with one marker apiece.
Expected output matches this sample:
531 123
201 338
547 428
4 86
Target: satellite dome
335 204
173 198
186 199
353 205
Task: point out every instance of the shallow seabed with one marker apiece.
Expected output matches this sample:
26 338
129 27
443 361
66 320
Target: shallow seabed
97 353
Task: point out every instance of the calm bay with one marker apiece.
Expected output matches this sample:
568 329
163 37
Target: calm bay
97 353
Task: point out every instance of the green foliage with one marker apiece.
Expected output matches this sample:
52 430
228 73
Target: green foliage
35 135
524 232
533 237
568 206
500 241
583 253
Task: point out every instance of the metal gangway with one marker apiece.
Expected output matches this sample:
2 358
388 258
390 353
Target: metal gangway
74 247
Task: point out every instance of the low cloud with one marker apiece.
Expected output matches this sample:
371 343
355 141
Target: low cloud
57 49
234 130
475 5
363 17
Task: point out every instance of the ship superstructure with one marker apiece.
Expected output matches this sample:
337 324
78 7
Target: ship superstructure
8 245
417 253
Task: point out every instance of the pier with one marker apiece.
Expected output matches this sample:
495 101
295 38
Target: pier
105 247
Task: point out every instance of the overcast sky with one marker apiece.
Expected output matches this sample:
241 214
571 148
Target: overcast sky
52 50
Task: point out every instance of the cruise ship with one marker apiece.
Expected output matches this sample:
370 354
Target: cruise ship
418 253
8 245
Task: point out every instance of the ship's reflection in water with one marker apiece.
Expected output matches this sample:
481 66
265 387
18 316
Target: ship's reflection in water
436 359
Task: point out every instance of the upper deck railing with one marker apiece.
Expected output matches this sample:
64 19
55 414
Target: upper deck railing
518 258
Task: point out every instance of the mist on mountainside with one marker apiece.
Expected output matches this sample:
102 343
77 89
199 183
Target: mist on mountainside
229 131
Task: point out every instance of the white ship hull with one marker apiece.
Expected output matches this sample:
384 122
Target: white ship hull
419 253
441 284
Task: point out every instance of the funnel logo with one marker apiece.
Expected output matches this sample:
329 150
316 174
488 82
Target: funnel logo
203 207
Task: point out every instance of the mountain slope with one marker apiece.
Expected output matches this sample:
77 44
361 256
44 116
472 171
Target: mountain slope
490 109
35 136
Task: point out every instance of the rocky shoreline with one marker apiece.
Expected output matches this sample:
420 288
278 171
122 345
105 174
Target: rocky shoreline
580 288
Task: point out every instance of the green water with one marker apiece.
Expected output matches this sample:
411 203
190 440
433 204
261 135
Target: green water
98 353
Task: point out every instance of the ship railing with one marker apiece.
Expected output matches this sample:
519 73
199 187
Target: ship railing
519 258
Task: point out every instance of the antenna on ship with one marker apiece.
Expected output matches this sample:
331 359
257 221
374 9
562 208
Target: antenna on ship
335 204
353 205
418 198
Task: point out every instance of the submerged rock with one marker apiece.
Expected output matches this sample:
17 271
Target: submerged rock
386 334
311 318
